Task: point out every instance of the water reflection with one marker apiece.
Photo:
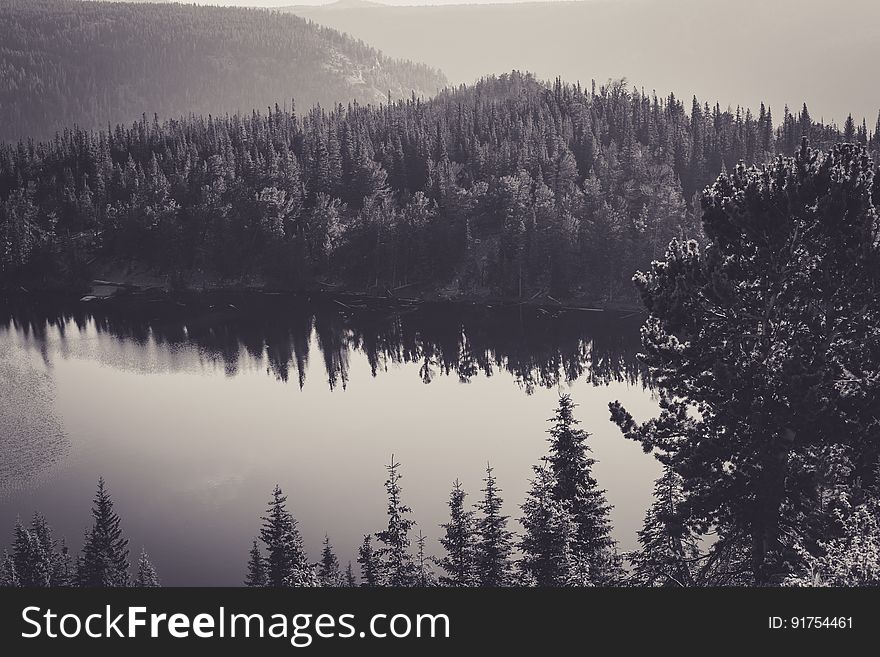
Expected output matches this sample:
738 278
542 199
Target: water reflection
539 347
192 411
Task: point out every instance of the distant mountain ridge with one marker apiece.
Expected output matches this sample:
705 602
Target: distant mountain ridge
65 62
742 53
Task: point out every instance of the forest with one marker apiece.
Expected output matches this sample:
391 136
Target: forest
92 64
510 188
762 343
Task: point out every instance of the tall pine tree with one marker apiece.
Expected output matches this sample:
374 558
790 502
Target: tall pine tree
397 563
329 573
668 551
495 541
146 573
256 568
104 558
286 562
570 466
459 541
371 566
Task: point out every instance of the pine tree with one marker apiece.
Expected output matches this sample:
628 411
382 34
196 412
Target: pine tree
549 537
668 547
286 562
459 541
424 575
397 562
104 559
146 574
349 582
767 334
571 466
849 129
8 573
329 573
371 566
256 575
495 541
33 563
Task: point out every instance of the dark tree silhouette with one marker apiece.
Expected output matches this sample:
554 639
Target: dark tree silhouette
460 542
286 561
769 332
104 559
371 566
395 558
495 541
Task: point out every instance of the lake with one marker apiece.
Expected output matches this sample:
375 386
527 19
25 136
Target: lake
193 410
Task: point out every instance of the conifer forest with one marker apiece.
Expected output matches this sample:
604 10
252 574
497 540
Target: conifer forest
317 316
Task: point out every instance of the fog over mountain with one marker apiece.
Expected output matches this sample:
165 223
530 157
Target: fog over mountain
779 52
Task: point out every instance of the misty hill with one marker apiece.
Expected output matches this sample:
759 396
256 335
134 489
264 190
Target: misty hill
784 51
92 63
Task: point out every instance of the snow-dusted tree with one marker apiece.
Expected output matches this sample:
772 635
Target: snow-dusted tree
286 561
424 574
8 574
349 580
397 562
329 573
494 540
668 553
146 573
371 566
851 559
256 574
104 558
459 541
769 332
570 467
549 538
33 562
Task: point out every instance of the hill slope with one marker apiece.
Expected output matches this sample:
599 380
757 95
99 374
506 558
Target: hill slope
65 62
785 51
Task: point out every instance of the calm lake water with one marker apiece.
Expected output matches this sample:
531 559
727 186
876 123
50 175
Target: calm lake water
193 412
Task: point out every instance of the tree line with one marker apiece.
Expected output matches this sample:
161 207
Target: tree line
90 64
508 188
37 559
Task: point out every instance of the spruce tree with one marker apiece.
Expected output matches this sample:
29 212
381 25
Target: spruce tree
495 541
424 574
104 558
146 573
256 574
849 129
668 550
286 562
349 582
8 573
329 573
571 466
33 563
371 567
549 538
397 563
459 541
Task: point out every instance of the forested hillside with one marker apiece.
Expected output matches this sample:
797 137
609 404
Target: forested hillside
509 188
66 62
